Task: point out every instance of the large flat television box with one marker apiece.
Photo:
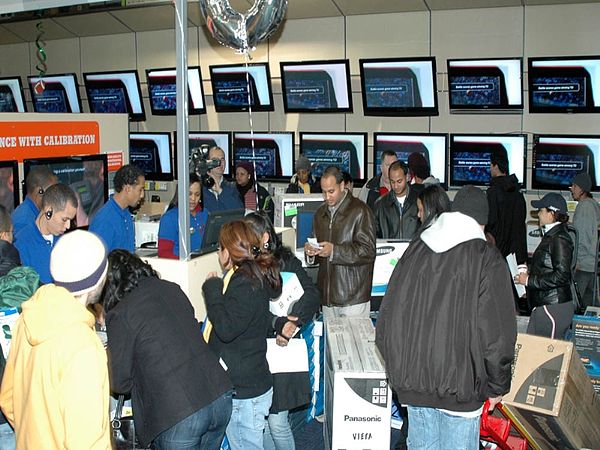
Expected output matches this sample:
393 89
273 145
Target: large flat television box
586 337
551 396
287 207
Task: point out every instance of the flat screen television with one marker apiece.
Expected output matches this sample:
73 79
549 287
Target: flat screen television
214 223
220 139
86 175
115 92
60 93
348 151
316 86
470 157
11 95
399 87
558 158
162 91
564 84
152 153
481 85
9 185
271 153
432 146
240 87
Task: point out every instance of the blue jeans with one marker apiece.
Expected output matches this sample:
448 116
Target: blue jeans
7 437
203 429
248 419
278 432
431 429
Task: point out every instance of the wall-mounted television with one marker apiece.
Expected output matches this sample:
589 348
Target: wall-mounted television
471 154
162 91
220 139
558 158
11 95
86 175
348 151
9 185
115 92
432 146
60 93
399 87
240 87
564 84
316 86
271 153
485 84
152 153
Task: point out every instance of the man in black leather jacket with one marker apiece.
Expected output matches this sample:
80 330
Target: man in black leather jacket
396 212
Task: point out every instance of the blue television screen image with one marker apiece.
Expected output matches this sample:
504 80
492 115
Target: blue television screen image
108 98
272 154
239 87
152 153
560 91
388 87
483 91
60 94
471 167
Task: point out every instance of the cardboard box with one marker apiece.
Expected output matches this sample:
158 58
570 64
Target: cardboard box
291 291
586 337
387 255
551 395
357 393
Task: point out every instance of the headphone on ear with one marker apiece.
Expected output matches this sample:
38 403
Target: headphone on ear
48 214
41 191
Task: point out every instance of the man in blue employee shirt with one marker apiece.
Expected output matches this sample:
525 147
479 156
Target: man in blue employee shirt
36 240
223 195
113 222
39 179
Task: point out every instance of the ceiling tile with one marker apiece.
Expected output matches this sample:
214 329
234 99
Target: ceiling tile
148 18
436 5
28 31
95 24
8 37
306 9
354 7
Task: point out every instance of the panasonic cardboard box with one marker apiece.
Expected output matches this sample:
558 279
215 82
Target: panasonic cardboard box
357 394
287 207
551 395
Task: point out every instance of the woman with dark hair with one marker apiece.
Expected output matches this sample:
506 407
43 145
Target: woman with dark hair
431 202
290 390
181 395
253 195
168 229
238 310
549 281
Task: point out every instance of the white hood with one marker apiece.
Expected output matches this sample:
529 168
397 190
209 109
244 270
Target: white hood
449 230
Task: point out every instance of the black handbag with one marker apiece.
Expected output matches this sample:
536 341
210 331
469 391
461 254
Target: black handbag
123 430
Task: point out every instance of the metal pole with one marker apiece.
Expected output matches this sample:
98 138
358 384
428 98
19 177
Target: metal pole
182 144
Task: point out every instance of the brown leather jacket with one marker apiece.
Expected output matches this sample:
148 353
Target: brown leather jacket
345 278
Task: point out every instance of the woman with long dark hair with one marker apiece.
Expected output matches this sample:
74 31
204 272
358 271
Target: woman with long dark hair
168 229
549 281
238 310
180 393
290 390
431 202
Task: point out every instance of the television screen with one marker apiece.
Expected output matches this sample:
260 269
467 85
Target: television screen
564 84
214 223
86 175
220 139
470 157
399 87
348 151
9 185
11 95
152 153
115 92
60 93
162 91
239 87
557 159
271 153
432 146
316 86
485 84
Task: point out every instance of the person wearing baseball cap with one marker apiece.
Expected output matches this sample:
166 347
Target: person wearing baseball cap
55 390
549 282
585 220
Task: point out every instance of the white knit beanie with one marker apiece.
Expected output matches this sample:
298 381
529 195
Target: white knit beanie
78 262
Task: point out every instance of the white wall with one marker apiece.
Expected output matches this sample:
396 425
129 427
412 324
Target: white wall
490 32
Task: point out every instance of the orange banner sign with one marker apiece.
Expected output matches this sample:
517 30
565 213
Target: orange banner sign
115 161
25 140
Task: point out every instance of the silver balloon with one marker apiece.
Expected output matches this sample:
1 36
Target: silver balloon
242 32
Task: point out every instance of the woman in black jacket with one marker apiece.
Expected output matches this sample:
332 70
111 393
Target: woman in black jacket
549 281
181 395
290 390
238 307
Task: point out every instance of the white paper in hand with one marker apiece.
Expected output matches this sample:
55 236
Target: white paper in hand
291 291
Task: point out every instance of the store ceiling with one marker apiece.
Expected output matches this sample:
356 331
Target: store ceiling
148 15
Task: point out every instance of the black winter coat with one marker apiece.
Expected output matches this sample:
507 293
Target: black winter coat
391 224
9 257
156 351
550 274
